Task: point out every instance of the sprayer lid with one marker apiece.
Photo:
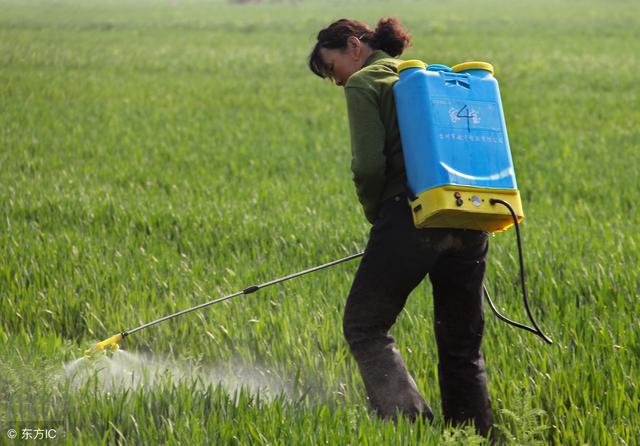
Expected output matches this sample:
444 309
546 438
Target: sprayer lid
414 63
474 65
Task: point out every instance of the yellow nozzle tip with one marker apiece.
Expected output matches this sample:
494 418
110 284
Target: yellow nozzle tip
111 343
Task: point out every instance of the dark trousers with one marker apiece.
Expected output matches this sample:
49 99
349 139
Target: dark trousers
397 257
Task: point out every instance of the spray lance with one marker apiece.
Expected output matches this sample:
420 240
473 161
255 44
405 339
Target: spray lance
112 342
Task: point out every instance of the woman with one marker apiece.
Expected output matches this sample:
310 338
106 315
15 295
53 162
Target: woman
398 256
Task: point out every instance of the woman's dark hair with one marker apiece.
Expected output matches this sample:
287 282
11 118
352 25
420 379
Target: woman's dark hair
388 37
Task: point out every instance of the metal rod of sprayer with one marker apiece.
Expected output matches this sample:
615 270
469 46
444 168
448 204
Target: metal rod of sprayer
112 342
248 290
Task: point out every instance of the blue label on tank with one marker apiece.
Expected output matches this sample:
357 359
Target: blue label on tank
466 115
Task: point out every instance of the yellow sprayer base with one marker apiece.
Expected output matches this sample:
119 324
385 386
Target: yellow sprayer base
440 207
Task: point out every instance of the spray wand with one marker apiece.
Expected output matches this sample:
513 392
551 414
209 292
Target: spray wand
112 342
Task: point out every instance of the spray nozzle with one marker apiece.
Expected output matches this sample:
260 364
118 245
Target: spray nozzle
110 344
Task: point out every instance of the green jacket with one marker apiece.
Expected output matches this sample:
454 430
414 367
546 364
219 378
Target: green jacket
377 163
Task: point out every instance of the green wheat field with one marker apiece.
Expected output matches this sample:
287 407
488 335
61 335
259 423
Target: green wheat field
155 155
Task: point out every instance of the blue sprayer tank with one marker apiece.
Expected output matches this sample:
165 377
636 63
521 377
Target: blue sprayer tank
455 146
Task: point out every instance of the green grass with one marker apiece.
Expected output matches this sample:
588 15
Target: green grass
155 155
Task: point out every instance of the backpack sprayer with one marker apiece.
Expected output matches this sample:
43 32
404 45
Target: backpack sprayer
458 165
457 156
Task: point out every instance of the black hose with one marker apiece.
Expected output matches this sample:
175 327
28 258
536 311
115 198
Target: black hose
536 330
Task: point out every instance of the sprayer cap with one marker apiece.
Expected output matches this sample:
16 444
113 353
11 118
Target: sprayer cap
473 65
414 63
